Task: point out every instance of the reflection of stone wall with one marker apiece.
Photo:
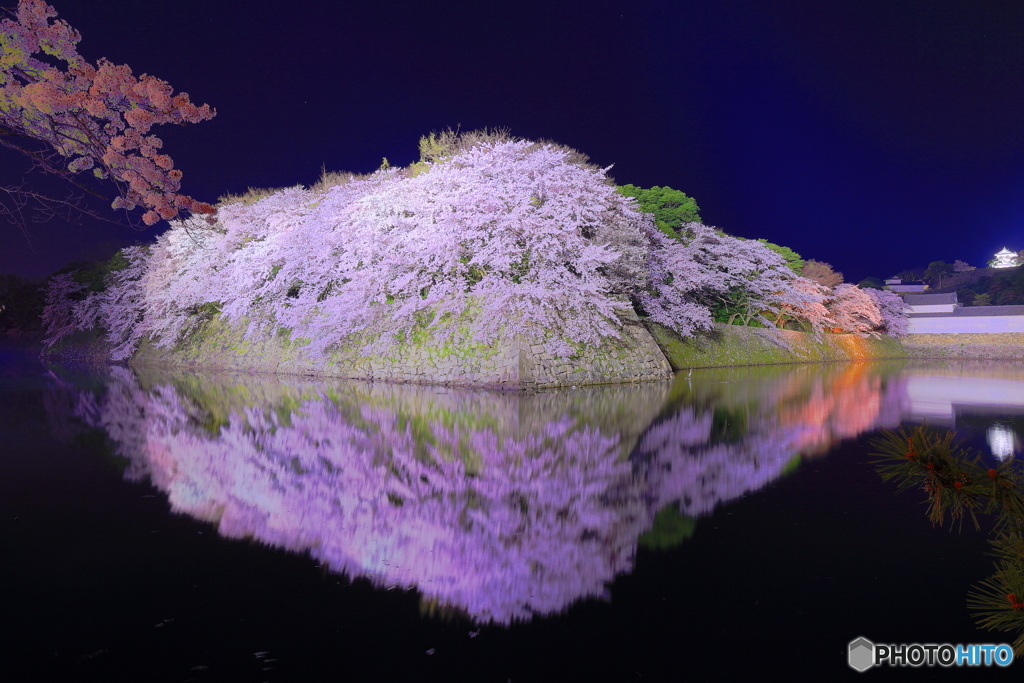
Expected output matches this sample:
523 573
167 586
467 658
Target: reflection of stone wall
509 363
967 369
620 409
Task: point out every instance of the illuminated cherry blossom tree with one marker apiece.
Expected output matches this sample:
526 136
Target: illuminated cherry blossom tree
854 310
822 273
805 301
505 237
117 308
893 310
60 315
741 281
69 116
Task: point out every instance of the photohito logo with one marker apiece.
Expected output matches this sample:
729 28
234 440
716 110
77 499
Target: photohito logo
863 654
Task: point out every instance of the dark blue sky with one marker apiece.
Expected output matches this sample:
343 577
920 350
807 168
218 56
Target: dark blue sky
874 135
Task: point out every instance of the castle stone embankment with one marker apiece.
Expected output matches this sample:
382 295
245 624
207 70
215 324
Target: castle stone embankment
989 346
728 345
646 352
510 363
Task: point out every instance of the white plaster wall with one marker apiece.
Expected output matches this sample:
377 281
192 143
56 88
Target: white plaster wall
936 308
981 323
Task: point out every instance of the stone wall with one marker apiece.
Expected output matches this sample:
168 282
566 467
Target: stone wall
509 363
1004 345
955 281
648 352
729 345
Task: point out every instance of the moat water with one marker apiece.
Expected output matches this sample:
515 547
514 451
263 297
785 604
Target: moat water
175 526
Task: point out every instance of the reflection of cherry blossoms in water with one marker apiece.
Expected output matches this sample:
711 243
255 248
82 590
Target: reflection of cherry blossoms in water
503 506
685 465
731 436
504 523
841 404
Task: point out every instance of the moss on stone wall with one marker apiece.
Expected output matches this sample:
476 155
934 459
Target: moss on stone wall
728 345
428 355
218 345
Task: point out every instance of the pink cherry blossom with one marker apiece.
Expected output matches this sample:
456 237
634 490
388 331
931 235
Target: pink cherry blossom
97 115
854 310
895 321
504 238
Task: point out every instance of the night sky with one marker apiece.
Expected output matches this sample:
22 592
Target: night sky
875 135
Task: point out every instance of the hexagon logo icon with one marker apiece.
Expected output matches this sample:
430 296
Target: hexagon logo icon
862 654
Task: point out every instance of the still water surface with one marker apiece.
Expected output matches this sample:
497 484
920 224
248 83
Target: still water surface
168 525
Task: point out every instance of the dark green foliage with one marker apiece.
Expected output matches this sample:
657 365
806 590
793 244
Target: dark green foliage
792 465
959 484
94 273
96 441
1003 287
729 425
927 460
910 275
997 601
735 307
1009 297
206 311
21 304
936 271
965 296
792 259
671 208
871 283
669 530
23 300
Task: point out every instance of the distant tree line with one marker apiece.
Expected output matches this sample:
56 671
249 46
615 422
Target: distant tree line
21 303
1004 287
973 286
22 299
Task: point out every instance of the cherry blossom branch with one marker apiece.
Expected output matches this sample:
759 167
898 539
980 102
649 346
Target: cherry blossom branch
96 116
